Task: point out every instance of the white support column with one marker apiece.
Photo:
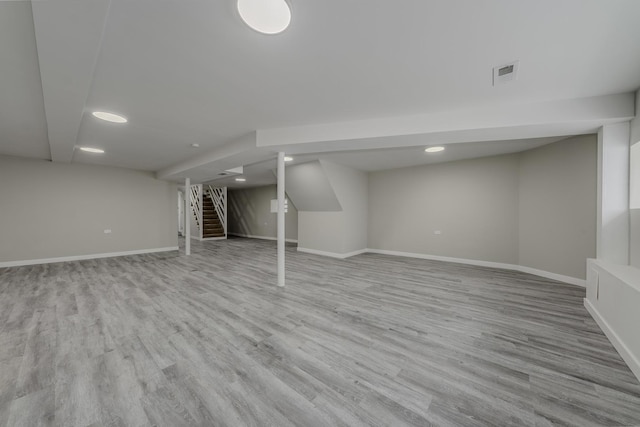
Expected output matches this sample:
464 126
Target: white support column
187 216
281 242
612 233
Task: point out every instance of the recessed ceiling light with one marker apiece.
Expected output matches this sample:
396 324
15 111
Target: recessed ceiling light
92 150
265 16
434 149
241 179
109 117
195 145
288 159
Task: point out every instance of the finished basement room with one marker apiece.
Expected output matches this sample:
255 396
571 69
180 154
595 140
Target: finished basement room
285 213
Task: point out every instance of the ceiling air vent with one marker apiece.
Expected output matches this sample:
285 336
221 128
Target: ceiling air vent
505 73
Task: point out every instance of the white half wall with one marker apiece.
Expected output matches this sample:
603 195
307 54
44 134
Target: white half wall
55 210
613 298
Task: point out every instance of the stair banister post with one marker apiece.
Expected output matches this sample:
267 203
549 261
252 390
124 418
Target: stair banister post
226 235
281 241
187 217
201 209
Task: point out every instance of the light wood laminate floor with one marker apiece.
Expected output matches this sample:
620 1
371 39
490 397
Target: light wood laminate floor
170 340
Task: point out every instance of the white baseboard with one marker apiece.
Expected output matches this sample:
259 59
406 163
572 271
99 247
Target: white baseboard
521 268
553 276
331 254
442 258
252 236
84 257
620 346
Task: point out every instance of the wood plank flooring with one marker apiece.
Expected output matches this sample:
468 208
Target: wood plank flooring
208 340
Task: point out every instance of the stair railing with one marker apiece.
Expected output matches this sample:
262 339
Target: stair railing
196 205
219 197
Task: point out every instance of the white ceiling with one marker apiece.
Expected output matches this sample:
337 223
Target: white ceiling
23 128
187 72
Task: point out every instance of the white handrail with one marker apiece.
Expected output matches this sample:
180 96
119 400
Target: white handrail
195 196
219 198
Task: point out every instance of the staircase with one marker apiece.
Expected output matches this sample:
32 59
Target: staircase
209 208
211 224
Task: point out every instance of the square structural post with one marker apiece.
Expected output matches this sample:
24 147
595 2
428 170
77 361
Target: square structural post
281 233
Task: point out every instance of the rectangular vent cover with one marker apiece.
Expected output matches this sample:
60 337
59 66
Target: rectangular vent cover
505 73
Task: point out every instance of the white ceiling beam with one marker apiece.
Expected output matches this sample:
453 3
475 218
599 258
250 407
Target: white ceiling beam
500 123
565 117
68 35
212 157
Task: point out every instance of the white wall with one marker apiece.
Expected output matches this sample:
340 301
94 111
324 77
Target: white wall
340 232
612 230
309 188
473 203
181 211
352 189
195 230
534 209
321 231
634 251
250 214
634 172
51 210
635 123
557 206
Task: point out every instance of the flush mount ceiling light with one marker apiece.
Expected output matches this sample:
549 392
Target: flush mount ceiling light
288 159
109 117
434 149
241 179
265 16
92 150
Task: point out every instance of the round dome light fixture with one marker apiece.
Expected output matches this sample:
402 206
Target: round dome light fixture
92 150
265 16
109 117
434 149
